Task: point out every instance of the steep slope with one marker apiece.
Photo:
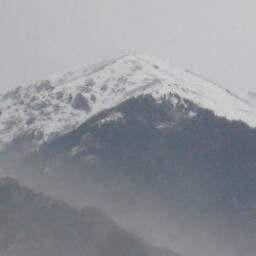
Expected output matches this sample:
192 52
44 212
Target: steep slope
56 105
33 224
159 148
173 179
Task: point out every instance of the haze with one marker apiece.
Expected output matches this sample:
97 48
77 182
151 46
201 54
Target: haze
213 38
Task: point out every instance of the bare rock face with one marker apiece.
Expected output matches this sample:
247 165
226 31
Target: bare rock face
44 85
81 103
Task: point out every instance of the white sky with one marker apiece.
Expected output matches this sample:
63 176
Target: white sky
215 38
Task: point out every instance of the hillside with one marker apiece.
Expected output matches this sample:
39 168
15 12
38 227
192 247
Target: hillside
33 224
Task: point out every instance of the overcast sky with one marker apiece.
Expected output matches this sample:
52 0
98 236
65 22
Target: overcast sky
215 38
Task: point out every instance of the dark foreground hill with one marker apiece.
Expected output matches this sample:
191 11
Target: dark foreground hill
32 224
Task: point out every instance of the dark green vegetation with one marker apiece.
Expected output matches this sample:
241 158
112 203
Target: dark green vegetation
177 162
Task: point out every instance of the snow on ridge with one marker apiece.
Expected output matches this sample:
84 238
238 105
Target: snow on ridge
111 117
60 103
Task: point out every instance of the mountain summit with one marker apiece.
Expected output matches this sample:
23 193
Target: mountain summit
58 104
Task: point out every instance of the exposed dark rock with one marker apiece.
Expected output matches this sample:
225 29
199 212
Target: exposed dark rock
81 103
44 85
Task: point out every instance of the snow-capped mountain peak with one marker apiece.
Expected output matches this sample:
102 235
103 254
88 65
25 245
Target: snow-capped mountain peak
60 103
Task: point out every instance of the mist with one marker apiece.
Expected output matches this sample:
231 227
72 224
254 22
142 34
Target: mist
127 155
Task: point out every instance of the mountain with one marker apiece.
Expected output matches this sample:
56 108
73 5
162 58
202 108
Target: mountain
56 105
156 168
34 224
167 154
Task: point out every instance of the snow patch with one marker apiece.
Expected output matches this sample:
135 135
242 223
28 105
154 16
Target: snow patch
111 117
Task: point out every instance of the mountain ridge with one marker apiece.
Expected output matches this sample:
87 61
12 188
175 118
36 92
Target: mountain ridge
60 103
